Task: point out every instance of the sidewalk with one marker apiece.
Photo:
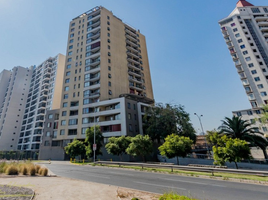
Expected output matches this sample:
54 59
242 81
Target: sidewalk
63 188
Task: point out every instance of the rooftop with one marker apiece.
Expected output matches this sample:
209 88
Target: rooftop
243 3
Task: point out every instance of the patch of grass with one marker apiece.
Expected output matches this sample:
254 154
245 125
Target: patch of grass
43 171
31 170
12 170
2 167
37 168
174 196
135 198
191 173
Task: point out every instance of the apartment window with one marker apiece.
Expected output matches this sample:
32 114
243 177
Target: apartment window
258 112
50 116
109 76
235 29
71 41
260 86
69 60
109 54
109 83
130 127
83 131
71 47
108 23
263 94
68 66
264 70
66 88
257 79
63 122
70 53
128 106
260 63
240 40
250 65
238 114
109 60
245 52
265 10
108 41
73 121
264 129
62 132
108 28
255 10
72 35
109 47
110 92
67 80
73 24
237 35
253 72
242 46
72 132
249 112
108 34
248 59
109 68
65 104
64 113
129 116
233 24
65 96
68 73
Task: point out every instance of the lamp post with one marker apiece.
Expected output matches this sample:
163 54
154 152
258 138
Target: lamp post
94 144
199 117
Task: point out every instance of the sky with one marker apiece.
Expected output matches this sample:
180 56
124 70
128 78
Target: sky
189 60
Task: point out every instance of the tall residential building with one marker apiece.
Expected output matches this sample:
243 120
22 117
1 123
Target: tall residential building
245 31
107 72
44 94
13 95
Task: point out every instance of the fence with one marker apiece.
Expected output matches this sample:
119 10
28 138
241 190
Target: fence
19 155
186 168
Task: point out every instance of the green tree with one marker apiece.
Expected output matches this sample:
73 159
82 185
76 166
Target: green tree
90 141
241 129
175 146
140 146
162 120
75 148
118 145
212 137
232 150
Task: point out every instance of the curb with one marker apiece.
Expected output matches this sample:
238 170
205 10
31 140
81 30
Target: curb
50 173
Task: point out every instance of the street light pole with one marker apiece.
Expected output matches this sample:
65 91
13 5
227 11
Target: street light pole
199 117
94 148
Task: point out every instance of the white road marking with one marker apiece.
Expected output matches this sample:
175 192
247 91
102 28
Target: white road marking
160 185
194 182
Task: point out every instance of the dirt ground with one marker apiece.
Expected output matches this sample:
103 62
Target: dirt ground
65 188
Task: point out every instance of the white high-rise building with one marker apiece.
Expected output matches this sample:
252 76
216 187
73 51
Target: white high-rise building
13 95
245 31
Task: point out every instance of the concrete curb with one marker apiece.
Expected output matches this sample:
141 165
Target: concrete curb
50 173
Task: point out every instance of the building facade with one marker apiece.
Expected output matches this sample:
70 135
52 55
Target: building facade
245 31
106 74
44 94
13 95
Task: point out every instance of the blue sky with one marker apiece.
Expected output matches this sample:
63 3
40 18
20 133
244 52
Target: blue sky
189 61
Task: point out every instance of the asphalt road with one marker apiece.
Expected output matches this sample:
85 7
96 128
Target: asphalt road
203 189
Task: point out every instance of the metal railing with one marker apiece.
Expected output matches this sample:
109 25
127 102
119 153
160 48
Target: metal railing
186 168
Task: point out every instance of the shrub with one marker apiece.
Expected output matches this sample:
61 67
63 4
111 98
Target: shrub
135 198
31 170
43 171
2 167
174 196
37 168
12 170
23 169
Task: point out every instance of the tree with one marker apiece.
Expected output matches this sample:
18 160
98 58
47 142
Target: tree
175 146
232 150
118 145
140 146
241 129
212 137
162 120
75 148
90 141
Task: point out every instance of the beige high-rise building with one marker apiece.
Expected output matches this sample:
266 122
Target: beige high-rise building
105 59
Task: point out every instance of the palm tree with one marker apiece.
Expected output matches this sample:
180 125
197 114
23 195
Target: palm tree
241 129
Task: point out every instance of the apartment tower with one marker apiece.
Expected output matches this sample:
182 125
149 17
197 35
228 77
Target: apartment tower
13 95
44 94
245 31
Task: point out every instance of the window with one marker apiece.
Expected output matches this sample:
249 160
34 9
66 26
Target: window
66 88
50 116
73 24
255 10
258 112
109 76
249 112
257 79
73 121
72 35
68 67
263 94
252 121
240 40
260 86
265 10
108 28
71 47
245 52
130 127
108 41
253 72
239 114
109 68
128 106
83 131
64 113
129 116
264 129
108 17
242 46
48 134
67 80
70 53
248 59
68 73
250 65
63 122
109 83
65 104
233 24
110 92
237 35
108 34
108 23
235 29
109 60
72 132
65 96
69 60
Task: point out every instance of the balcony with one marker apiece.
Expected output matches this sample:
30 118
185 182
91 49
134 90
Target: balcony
132 49
92 69
131 60
258 19
133 54
134 72
137 67
137 88
92 95
94 78
131 38
265 34
137 80
131 43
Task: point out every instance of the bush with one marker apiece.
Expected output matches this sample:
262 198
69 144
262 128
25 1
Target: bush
12 170
174 196
23 169
43 171
2 167
31 170
37 168
135 198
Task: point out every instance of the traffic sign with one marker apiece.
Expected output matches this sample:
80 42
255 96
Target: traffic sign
94 147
